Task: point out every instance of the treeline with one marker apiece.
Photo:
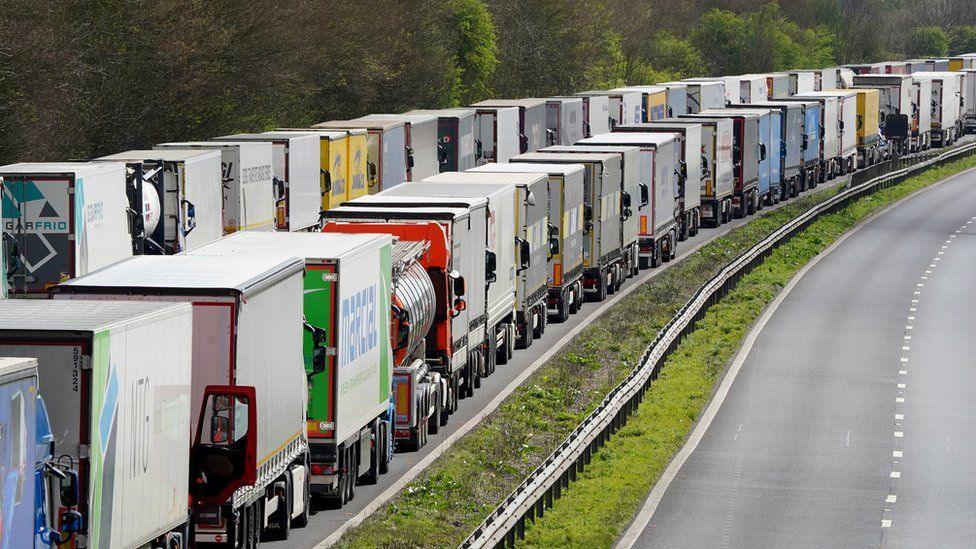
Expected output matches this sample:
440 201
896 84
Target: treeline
81 78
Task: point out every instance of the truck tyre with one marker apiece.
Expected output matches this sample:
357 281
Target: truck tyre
501 351
562 308
601 287
612 280
301 520
435 420
282 513
375 455
248 531
540 328
523 339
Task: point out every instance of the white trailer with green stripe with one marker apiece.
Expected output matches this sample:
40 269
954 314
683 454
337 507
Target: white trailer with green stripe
249 457
346 293
116 380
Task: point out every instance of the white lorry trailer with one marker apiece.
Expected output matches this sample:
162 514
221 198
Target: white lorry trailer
116 381
532 120
704 95
249 462
596 114
456 136
185 209
564 120
421 142
346 301
65 220
299 181
246 174
496 134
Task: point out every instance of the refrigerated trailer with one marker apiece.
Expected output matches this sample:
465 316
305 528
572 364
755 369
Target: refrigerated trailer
946 105
246 176
346 296
116 377
752 88
456 135
654 101
423 146
334 161
791 138
596 113
564 120
564 232
175 196
385 154
532 120
869 149
626 106
770 148
922 121
677 98
829 132
802 82
606 260
745 156
246 362
777 85
896 106
66 219
496 134
39 494
298 179
732 86
704 95
690 176
969 99
457 264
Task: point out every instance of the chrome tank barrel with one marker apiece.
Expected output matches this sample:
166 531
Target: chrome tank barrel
413 294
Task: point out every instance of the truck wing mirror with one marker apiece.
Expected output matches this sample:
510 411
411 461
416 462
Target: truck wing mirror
525 253
553 230
553 246
224 455
459 284
587 212
645 195
410 159
326 182
523 143
189 216
625 199
490 266
550 137
72 522
479 150
459 305
371 173
530 198
69 489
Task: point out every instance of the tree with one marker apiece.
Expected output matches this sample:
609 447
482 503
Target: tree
723 38
477 49
962 39
927 42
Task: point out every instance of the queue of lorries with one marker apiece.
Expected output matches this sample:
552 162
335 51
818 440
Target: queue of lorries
236 326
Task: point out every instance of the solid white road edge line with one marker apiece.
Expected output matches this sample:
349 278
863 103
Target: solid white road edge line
657 493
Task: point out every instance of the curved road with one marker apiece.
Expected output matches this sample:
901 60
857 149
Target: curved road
326 522
851 421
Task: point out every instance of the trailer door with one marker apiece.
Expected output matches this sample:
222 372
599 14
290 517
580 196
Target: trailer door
40 216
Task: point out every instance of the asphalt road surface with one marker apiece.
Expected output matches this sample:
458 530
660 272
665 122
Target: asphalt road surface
405 465
852 420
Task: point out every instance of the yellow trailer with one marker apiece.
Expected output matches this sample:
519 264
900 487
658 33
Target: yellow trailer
358 156
385 152
868 103
334 164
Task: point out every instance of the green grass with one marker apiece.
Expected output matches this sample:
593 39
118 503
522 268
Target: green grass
597 508
446 502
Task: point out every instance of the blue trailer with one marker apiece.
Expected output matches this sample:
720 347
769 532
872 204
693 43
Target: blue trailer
791 141
812 146
39 508
771 126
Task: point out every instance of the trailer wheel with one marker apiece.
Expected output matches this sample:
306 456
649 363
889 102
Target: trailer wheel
252 525
540 328
435 420
562 307
523 326
601 287
373 474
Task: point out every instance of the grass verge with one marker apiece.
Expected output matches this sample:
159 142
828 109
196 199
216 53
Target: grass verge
457 491
596 508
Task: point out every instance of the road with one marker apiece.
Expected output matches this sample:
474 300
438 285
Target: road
326 522
849 422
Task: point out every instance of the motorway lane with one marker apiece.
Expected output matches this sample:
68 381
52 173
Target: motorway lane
850 422
325 522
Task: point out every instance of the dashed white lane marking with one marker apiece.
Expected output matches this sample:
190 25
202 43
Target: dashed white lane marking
905 348
937 258
895 474
907 337
900 400
892 498
912 309
899 434
885 523
899 416
903 372
904 359
897 453
911 318
909 327
901 385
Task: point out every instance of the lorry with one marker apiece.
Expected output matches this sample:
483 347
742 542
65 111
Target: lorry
458 265
691 173
745 157
677 98
846 159
298 179
565 233
606 261
770 147
791 138
386 153
334 162
922 121
247 478
456 137
596 113
626 106
732 86
897 108
564 120
969 100
63 220
704 95
946 106
829 132
246 175
869 148
812 143
40 494
116 377
752 88
184 211
802 82
532 120
654 100
497 134
778 85
659 218
347 297
421 140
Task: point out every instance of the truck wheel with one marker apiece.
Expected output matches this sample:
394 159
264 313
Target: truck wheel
282 514
373 474
501 352
476 379
601 287
541 327
523 339
435 420
562 308
250 527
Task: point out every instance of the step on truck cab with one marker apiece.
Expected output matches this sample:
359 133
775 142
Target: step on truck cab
497 134
298 178
634 162
532 120
565 232
745 155
249 462
456 263
64 219
116 377
896 106
457 136
385 155
423 147
689 134
659 217
175 196
564 120
40 494
247 182
596 113
605 259
346 296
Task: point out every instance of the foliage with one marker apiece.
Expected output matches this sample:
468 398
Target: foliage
927 42
477 50
962 39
